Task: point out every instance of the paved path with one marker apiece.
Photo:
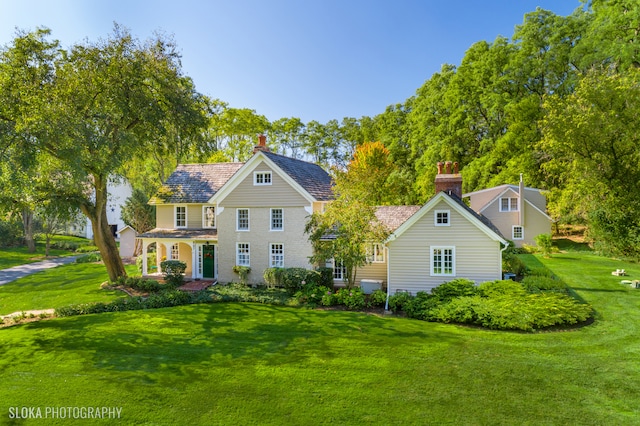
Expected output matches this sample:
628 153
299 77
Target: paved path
12 274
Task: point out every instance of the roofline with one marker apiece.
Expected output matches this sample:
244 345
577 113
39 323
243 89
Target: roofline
454 205
468 194
245 170
497 197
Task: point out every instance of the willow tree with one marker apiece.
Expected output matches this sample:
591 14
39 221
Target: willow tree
98 106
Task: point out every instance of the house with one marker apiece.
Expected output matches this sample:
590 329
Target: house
517 211
216 216
437 242
127 237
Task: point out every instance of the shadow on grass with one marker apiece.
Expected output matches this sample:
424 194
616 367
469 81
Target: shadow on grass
165 344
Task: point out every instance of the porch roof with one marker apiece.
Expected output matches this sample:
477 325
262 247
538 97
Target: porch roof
187 234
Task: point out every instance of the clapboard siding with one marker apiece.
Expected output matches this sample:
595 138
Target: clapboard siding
246 194
477 256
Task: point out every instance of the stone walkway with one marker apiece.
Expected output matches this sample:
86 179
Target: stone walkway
12 274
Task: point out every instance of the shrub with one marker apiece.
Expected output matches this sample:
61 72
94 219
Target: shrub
460 287
241 293
500 288
398 301
243 272
86 249
377 298
329 298
326 276
311 294
293 279
512 263
140 283
89 258
545 244
421 306
273 277
173 271
538 284
352 298
10 233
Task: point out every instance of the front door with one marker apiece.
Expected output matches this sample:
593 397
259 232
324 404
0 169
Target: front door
208 261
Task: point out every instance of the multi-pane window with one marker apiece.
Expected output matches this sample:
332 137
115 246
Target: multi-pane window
262 178
175 252
276 255
277 220
441 218
339 270
181 216
375 253
443 261
243 257
509 204
208 217
517 232
242 219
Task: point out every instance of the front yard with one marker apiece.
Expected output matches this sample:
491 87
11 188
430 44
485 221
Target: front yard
231 363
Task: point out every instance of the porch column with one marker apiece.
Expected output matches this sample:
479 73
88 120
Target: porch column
145 246
194 260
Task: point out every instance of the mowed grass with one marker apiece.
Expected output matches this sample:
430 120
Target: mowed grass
231 363
57 287
15 256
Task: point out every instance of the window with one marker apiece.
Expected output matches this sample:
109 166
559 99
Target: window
339 270
509 204
375 253
277 220
208 217
243 257
441 218
443 261
276 255
181 216
262 178
242 219
517 232
175 252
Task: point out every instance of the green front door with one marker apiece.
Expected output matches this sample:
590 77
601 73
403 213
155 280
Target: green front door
208 261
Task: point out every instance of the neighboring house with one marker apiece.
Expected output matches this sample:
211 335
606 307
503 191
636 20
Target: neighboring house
517 211
216 216
118 192
437 242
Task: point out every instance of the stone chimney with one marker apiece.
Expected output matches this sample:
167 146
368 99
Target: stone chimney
262 144
449 179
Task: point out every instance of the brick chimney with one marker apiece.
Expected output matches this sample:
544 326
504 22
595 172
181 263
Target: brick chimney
449 179
262 144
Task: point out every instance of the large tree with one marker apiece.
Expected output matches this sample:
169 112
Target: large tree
98 106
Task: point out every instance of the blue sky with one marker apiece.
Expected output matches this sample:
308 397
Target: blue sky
311 59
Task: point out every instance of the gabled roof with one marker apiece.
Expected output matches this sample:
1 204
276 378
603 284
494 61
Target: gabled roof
313 178
195 183
502 188
482 223
309 179
394 216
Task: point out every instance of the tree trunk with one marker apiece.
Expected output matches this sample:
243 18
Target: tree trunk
102 236
27 224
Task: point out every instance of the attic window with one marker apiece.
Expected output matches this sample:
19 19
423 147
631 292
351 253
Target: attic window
262 178
509 204
441 218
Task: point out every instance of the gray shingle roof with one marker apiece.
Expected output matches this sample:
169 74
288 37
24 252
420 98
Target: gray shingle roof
394 216
204 234
313 178
480 217
195 183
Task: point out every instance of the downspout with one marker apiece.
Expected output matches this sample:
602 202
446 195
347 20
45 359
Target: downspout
506 246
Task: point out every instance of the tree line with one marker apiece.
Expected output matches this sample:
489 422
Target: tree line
557 102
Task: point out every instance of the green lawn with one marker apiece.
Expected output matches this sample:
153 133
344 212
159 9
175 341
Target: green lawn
15 256
57 287
254 364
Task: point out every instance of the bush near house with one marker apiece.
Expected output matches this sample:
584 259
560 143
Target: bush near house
173 271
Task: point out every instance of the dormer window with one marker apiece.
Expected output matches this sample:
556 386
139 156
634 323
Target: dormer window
181 216
442 218
262 178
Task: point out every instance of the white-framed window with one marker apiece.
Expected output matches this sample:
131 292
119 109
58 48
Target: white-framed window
375 253
208 217
276 255
180 216
339 270
517 232
443 261
262 178
442 218
175 251
243 254
276 220
200 260
242 219
509 204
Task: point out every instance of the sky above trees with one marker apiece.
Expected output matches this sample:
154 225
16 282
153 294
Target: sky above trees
315 60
